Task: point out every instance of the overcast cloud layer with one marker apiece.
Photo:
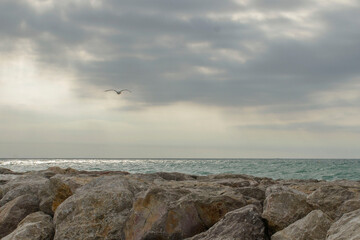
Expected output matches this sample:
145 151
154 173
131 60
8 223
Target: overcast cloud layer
295 63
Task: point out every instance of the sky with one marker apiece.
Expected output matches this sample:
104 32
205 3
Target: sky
208 78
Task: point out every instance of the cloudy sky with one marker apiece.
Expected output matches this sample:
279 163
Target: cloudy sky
209 78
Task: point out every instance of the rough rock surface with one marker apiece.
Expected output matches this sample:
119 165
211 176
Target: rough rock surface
283 208
312 227
180 210
5 171
329 197
35 226
118 205
14 211
97 211
253 192
243 223
346 228
347 206
280 189
63 186
25 184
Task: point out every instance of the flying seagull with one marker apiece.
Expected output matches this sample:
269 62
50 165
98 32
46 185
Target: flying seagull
118 91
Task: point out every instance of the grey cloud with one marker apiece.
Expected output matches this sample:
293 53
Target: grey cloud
314 127
280 4
144 42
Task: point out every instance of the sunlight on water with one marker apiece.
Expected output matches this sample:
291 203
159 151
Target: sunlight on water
326 169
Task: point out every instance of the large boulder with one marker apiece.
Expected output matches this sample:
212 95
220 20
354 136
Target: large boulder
283 208
347 206
243 223
346 228
15 210
97 210
329 197
179 210
61 187
312 227
25 184
35 226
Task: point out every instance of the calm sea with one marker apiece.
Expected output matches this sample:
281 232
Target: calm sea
325 169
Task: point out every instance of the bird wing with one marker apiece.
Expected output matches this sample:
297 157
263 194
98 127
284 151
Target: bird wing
125 90
110 90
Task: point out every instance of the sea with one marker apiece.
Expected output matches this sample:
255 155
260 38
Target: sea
321 169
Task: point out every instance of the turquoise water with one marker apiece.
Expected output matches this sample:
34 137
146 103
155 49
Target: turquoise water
323 169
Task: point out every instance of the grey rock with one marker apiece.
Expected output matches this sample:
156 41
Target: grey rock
15 210
280 188
329 197
60 188
97 210
5 171
176 210
347 206
175 176
312 227
35 226
253 192
346 228
283 208
25 184
241 224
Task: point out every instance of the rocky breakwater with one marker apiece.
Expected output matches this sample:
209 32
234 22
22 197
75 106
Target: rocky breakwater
66 204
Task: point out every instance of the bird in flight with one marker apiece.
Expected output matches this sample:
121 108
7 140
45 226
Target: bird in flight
118 91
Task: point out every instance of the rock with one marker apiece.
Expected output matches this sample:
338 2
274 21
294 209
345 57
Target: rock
15 210
347 206
25 184
312 227
4 178
243 223
280 188
231 180
305 186
153 217
253 192
35 226
5 171
180 210
329 197
175 176
52 171
283 208
97 210
346 228
62 187
119 205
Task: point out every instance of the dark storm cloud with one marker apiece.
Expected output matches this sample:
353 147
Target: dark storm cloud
163 49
